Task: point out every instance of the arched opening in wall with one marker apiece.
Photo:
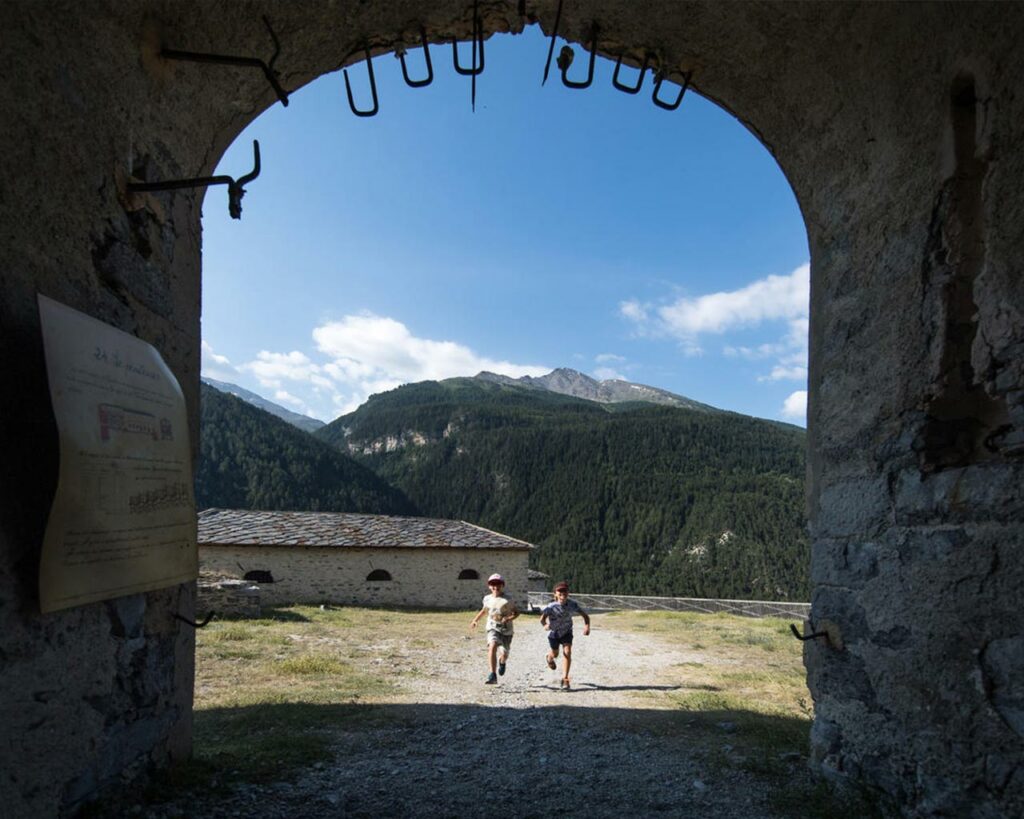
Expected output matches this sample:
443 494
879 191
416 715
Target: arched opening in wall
571 318
378 574
469 574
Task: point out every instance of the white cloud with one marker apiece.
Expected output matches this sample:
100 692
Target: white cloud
607 373
271 369
288 398
771 299
609 358
360 355
781 373
368 347
634 311
216 366
795 406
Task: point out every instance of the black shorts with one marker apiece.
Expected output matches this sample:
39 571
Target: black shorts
555 641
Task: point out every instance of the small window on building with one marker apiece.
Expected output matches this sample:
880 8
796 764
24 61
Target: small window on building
469 574
378 574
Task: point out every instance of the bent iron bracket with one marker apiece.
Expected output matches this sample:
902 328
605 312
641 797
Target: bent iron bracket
188 622
639 80
400 54
827 629
236 187
225 59
566 57
373 89
659 78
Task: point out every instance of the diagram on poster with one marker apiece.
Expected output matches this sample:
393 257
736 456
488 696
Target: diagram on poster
123 518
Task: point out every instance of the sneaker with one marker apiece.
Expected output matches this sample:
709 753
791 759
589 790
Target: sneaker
501 669
492 678
565 683
551 662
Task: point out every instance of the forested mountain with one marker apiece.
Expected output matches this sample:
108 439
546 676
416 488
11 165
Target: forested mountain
249 459
610 391
620 498
293 418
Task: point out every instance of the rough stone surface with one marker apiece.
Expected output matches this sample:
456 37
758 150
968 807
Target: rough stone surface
899 127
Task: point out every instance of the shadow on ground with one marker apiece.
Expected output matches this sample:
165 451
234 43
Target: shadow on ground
444 760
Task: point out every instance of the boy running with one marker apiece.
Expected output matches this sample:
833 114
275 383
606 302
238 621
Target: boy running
500 614
559 614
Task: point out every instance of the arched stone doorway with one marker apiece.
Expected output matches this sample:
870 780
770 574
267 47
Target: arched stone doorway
897 126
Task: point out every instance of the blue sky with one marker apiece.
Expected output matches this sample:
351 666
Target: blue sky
551 228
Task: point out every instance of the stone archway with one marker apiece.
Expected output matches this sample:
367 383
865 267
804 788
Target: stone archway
898 127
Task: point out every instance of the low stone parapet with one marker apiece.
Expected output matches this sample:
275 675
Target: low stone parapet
625 602
232 598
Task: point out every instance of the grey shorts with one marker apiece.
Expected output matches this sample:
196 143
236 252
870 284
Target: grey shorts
503 640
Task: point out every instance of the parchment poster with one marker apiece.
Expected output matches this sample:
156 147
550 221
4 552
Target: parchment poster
123 519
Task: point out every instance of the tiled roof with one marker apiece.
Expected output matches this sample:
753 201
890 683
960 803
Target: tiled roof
242 527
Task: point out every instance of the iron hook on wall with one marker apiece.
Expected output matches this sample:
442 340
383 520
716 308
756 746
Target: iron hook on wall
659 78
236 187
373 90
225 59
400 54
551 47
635 89
565 60
188 622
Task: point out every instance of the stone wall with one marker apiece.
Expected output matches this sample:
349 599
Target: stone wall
228 598
899 126
424 578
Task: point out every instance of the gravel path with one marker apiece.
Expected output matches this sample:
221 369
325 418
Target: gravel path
450 746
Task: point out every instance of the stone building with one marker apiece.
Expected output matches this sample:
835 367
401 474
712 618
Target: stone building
900 127
362 560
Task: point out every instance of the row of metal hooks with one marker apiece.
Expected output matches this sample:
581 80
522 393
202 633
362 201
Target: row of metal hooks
236 188
565 60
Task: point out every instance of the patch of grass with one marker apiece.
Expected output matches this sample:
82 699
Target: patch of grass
310 664
749 693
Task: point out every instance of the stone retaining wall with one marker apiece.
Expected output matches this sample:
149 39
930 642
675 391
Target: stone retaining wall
230 598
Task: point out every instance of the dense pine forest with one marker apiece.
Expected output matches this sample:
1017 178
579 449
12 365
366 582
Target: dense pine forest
250 459
620 498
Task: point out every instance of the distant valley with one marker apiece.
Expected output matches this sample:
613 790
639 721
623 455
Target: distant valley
664 496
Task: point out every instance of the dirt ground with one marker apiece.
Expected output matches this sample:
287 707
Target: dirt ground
447 745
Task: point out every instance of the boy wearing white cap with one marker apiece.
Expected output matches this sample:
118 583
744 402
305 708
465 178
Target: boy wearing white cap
500 613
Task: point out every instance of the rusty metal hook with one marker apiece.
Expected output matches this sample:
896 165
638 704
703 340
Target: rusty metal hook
236 187
566 57
225 59
639 80
478 41
188 622
373 89
803 637
400 54
551 48
659 78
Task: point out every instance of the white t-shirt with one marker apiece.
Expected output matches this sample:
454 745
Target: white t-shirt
497 606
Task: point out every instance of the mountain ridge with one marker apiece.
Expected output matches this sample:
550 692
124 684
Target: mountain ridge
567 381
303 422
628 498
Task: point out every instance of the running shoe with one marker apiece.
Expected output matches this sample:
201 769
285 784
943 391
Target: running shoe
501 669
492 678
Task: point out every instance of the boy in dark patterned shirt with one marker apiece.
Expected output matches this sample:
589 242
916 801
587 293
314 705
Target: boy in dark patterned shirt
556 616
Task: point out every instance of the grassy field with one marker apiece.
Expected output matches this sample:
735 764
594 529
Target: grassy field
270 692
